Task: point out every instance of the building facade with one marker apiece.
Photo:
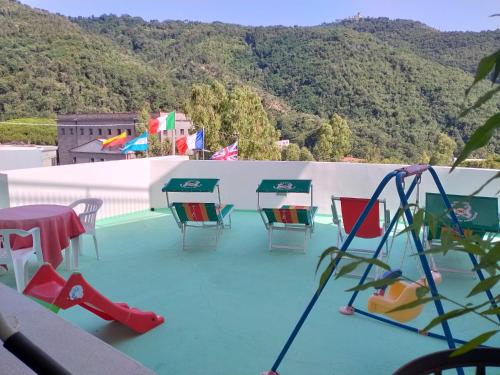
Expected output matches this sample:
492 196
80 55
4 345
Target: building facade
79 135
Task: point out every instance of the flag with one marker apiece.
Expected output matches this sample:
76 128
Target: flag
227 153
115 141
194 141
137 144
166 122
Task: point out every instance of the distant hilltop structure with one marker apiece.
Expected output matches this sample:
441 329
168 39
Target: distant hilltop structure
356 17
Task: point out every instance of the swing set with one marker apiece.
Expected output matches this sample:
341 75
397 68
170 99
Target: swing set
380 302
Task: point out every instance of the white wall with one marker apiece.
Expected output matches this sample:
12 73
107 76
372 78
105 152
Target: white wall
134 185
20 157
123 185
240 179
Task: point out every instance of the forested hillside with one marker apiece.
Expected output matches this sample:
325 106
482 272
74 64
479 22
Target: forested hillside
397 83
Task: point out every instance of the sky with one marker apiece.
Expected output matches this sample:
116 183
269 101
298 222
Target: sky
445 15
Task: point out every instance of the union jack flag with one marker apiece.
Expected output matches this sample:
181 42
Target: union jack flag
227 153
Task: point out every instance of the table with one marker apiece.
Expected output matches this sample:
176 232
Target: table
58 224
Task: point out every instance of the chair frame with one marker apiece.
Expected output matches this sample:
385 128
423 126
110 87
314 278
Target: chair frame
21 278
341 234
88 220
183 225
430 242
278 226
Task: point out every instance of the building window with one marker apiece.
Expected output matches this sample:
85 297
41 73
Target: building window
91 160
81 131
118 131
71 131
99 131
182 131
129 132
91 131
109 131
63 131
102 159
74 159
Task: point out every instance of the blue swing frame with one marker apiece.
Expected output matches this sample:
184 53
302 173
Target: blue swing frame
399 175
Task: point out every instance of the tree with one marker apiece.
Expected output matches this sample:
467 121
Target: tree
341 133
245 119
442 154
306 155
205 107
323 149
291 152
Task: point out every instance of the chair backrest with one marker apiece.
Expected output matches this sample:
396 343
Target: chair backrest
288 215
192 211
479 214
88 213
6 240
352 208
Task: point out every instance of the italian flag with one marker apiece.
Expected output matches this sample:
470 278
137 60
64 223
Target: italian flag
166 122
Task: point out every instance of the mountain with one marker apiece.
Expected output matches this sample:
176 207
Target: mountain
398 83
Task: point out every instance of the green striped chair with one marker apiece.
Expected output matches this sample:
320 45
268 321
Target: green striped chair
292 218
202 215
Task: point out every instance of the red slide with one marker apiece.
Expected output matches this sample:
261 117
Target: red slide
48 286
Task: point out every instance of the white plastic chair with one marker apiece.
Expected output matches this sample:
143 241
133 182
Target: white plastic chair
19 258
87 216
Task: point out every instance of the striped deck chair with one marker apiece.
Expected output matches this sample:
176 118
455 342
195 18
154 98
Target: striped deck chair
293 218
202 215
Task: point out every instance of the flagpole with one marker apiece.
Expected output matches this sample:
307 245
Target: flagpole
203 147
173 138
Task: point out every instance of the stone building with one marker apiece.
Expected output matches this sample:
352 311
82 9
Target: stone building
79 135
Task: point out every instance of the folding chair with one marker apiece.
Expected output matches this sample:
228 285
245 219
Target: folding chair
477 216
198 214
287 217
374 225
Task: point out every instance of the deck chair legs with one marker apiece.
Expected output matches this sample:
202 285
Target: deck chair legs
272 246
218 232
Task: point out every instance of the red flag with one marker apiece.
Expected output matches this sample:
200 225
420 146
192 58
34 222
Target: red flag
181 144
154 124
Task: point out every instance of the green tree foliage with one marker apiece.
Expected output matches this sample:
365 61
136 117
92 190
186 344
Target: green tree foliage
237 115
305 154
246 120
323 148
28 134
442 153
341 134
291 153
205 107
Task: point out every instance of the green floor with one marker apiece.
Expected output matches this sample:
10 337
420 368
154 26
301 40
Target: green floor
231 310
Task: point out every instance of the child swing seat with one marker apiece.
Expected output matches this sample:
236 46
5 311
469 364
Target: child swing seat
400 293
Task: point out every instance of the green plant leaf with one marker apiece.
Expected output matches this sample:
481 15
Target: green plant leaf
324 254
479 138
348 268
483 69
484 285
480 101
492 311
474 343
421 291
447 316
486 183
412 304
325 276
372 284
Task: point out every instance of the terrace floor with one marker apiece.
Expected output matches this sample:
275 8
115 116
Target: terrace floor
231 310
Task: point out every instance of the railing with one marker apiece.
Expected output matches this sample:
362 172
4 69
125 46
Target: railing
134 185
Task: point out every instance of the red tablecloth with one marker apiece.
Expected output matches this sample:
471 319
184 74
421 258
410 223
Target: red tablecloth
57 225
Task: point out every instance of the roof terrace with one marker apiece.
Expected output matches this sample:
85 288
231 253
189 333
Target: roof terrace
231 310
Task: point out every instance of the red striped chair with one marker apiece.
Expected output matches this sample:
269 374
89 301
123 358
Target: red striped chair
202 215
293 218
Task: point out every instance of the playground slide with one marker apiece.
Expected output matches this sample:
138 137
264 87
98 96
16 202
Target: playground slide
48 286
